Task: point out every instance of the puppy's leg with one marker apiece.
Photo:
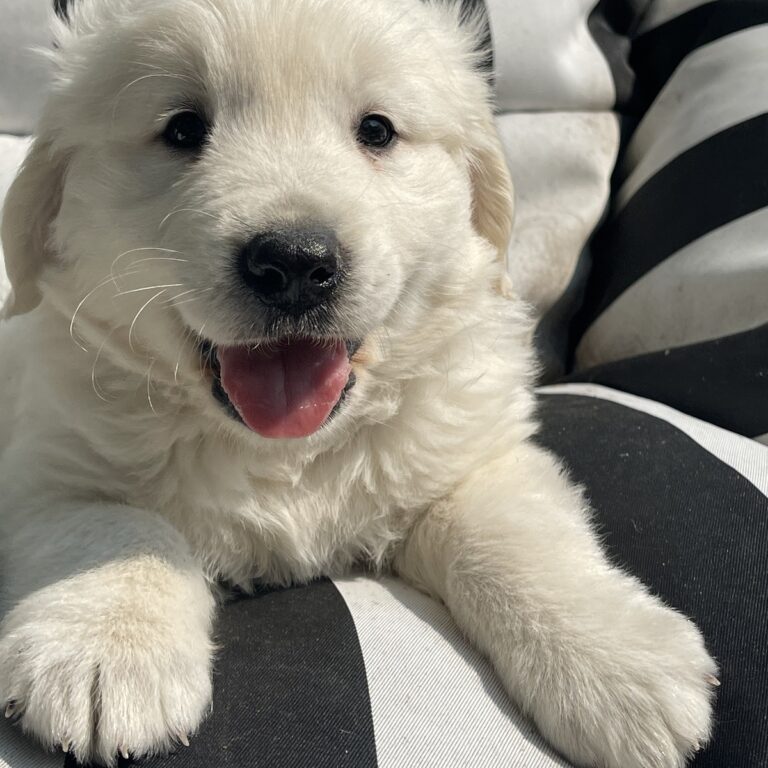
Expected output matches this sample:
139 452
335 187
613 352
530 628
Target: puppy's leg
612 677
105 647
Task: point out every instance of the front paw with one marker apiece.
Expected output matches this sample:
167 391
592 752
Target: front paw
105 668
642 700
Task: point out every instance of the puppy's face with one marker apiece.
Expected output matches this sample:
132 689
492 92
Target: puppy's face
267 184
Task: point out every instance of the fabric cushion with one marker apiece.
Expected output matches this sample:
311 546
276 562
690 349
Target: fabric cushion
24 71
546 58
684 505
560 71
366 673
675 308
561 165
12 152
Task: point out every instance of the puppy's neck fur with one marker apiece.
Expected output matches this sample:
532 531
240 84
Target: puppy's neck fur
278 511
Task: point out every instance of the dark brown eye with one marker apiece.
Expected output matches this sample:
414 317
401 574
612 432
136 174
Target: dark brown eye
376 131
186 131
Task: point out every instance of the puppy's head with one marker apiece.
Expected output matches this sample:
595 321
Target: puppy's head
266 184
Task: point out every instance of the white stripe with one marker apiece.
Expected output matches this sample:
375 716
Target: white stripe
714 287
18 751
546 58
662 11
435 701
747 457
763 439
719 85
561 165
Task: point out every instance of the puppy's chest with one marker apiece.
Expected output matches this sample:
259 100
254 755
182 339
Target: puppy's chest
285 524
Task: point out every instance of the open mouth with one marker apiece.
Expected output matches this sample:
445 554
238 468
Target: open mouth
289 389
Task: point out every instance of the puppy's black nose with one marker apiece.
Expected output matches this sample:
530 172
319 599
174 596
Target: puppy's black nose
292 269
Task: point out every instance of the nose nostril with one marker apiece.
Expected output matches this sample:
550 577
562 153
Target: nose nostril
293 270
269 280
321 276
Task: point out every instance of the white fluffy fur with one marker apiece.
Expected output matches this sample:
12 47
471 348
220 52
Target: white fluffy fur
126 490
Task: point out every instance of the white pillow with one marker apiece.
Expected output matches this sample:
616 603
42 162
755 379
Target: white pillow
24 72
12 151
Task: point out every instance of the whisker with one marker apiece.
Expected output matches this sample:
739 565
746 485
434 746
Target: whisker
178 296
135 319
149 387
94 383
185 338
181 303
138 80
80 306
157 258
137 250
148 288
174 303
186 210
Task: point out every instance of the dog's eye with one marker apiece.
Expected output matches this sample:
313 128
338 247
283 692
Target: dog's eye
376 131
186 130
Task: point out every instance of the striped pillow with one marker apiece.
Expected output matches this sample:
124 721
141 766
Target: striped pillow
676 307
558 78
363 673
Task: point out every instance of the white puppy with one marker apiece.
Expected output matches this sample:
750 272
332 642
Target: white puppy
256 333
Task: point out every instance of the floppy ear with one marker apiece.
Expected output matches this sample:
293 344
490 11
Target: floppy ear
30 207
492 193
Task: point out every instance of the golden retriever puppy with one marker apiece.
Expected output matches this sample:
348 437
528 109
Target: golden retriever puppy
257 333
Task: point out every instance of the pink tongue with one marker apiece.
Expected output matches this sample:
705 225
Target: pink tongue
288 390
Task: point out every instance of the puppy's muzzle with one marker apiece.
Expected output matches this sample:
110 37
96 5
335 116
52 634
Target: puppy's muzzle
293 270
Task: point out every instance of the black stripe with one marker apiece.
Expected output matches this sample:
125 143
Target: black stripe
724 381
552 336
657 53
709 185
695 531
611 24
290 689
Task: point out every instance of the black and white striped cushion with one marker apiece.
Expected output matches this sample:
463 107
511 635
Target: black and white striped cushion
676 308
364 673
560 71
684 505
